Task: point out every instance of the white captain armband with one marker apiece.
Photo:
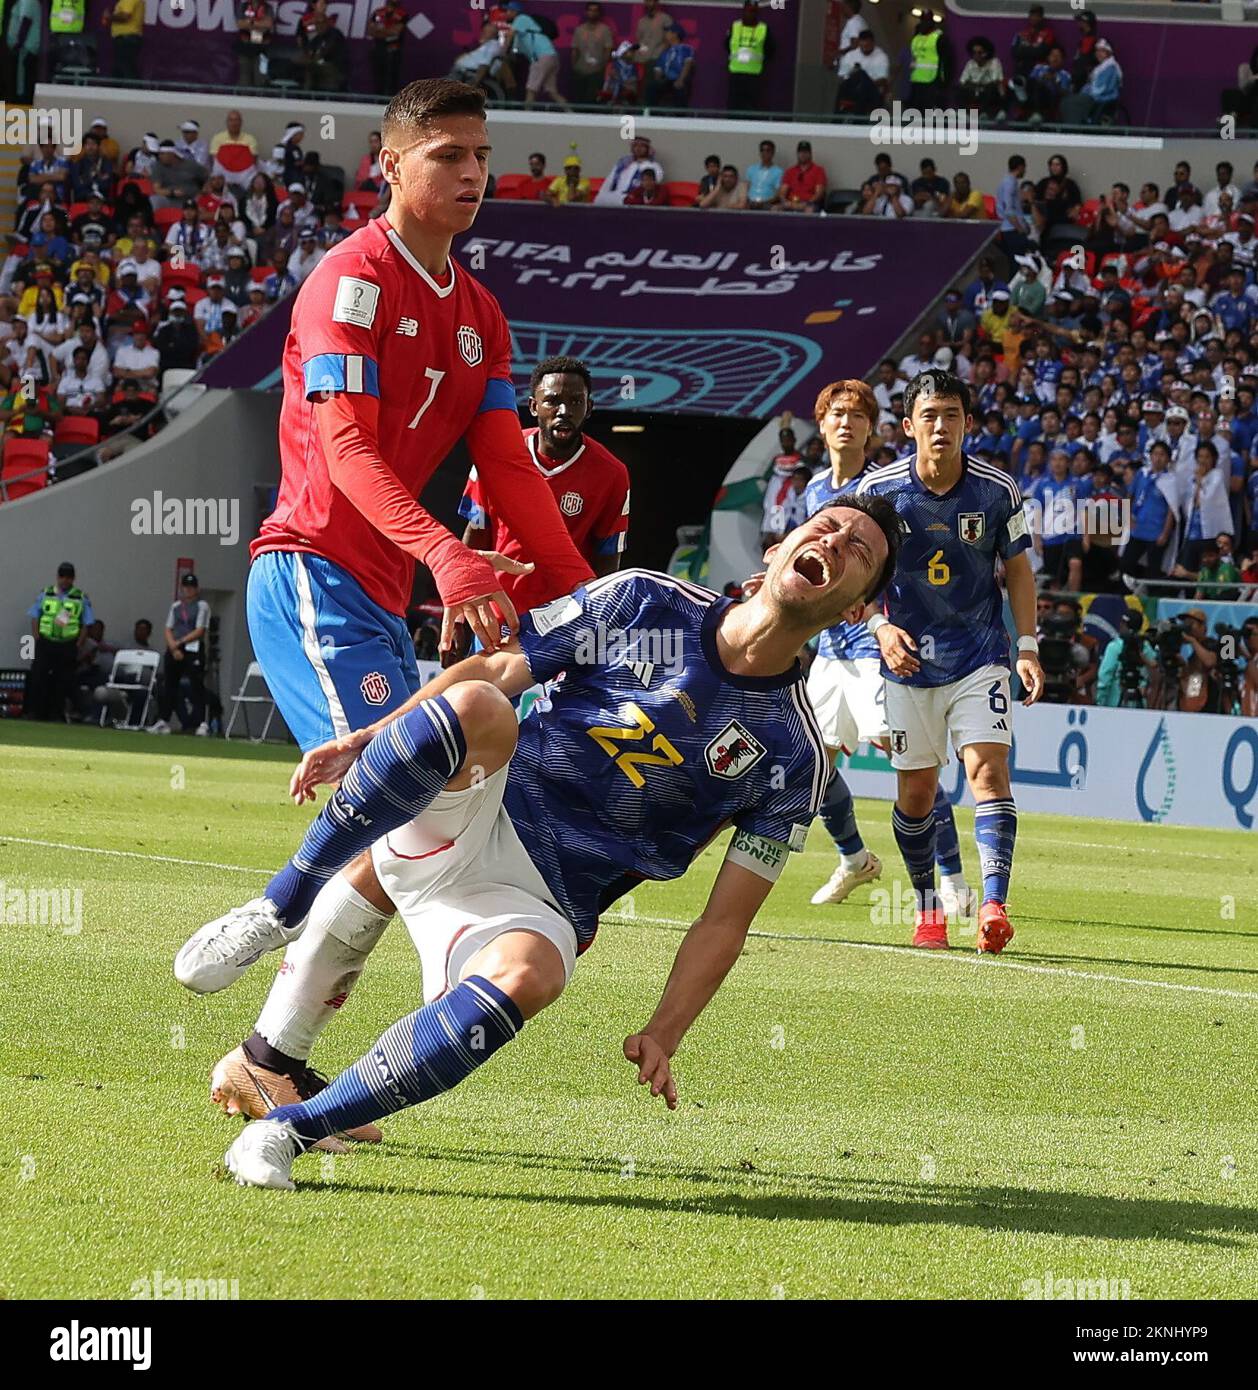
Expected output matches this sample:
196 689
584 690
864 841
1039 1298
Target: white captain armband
762 856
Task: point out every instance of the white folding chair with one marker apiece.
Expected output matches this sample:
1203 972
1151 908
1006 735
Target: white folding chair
134 672
253 691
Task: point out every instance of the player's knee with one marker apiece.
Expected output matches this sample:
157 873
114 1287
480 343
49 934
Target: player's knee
529 970
488 721
916 796
987 767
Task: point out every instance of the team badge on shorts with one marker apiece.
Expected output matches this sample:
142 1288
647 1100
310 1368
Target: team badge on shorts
970 525
375 688
733 751
469 343
570 503
899 741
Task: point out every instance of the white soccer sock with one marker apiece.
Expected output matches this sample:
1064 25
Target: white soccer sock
854 862
320 968
954 881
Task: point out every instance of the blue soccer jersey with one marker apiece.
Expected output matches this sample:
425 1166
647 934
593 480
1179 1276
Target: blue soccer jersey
649 747
945 594
843 641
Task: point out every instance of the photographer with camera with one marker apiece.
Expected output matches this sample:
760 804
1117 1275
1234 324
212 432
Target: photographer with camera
1067 655
1247 656
1186 661
1235 675
1126 666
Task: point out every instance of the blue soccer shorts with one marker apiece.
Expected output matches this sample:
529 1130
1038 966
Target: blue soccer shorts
334 660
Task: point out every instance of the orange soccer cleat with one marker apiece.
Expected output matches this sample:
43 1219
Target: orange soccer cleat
994 931
932 930
239 1086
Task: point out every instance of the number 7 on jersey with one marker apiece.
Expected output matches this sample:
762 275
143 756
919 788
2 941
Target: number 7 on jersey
434 378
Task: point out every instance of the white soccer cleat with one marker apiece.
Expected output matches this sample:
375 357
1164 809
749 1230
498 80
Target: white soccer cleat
159 726
958 902
263 1153
842 881
221 952
203 730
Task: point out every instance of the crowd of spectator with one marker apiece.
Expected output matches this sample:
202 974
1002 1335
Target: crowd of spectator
125 265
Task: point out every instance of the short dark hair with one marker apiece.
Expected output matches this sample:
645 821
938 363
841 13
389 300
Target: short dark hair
560 366
537 154
879 510
935 383
420 103
1016 162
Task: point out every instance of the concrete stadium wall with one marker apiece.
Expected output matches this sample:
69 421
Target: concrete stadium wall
222 447
846 152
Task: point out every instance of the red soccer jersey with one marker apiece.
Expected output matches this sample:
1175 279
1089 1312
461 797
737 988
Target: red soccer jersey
592 492
373 327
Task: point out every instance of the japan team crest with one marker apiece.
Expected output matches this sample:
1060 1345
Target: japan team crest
570 503
375 688
899 741
469 343
733 751
970 526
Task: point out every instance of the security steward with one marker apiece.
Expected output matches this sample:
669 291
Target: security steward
60 617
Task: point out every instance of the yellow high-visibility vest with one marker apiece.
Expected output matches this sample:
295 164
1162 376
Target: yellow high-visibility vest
746 47
925 51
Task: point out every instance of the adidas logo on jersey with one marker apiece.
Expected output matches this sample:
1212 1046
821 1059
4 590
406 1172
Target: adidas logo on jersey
1001 724
409 328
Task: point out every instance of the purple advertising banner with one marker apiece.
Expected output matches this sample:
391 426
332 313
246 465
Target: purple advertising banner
705 313
194 41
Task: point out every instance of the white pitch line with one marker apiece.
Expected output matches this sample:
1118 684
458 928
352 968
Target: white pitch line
962 959
971 959
134 854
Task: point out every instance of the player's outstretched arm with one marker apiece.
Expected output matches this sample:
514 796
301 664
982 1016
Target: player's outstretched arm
506 669
706 955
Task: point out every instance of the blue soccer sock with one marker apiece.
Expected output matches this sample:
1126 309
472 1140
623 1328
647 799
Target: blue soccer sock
394 778
420 1056
839 815
995 830
916 839
947 843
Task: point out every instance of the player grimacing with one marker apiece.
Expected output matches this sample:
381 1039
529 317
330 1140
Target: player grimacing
845 681
501 844
945 650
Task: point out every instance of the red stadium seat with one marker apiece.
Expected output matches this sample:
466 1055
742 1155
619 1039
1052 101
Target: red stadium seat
595 185
989 206
352 224
189 276
25 466
77 429
260 273
359 202
513 187
145 186
235 158
165 218
681 193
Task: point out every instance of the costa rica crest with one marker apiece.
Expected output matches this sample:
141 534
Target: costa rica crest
470 348
375 687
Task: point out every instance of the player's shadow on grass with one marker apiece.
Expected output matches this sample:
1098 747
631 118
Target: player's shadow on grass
758 1194
1069 960
1140 927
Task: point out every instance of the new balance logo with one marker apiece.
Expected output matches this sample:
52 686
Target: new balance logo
408 327
1001 724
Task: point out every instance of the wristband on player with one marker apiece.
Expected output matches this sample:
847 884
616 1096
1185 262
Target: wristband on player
878 620
1029 644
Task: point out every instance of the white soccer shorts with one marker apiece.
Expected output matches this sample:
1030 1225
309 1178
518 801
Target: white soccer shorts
460 878
922 719
847 698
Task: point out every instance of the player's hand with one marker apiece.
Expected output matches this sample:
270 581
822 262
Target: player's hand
478 613
327 764
897 649
653 1069
1031 674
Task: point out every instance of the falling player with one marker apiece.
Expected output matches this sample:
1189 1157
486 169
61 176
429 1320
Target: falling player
590 484
845 682
395 353
525 833
945 650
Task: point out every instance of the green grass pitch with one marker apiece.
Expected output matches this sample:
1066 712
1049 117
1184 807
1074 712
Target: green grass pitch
856 1120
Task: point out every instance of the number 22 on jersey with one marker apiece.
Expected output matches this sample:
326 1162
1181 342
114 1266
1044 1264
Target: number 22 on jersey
665 755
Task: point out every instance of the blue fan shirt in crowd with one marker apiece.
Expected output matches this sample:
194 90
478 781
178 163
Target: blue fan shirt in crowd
649 746
763 182
1056 500
529 38
1149 507
843 641
945 582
